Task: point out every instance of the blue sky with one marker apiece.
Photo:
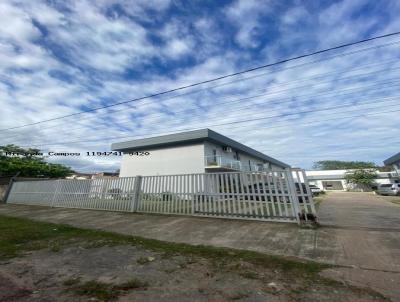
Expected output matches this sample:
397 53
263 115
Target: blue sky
58 57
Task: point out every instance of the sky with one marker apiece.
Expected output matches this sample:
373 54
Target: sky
62 57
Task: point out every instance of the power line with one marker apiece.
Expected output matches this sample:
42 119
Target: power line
234 101
214 79
317 121
262 74
372 89
240 121
289 99
251 77
269 127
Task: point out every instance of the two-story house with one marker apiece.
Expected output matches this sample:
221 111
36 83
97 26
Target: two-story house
198 151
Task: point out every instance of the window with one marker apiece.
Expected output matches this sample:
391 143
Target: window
215 155
249 165
237 156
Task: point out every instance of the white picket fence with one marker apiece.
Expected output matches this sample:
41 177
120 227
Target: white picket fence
273 196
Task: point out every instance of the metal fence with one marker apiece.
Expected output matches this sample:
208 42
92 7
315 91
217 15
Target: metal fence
274 195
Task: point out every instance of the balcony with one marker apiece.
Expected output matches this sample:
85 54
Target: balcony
220 164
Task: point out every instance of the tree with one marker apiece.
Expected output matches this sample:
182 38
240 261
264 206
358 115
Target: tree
342 165
28 163
363 177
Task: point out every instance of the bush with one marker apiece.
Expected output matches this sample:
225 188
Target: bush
363 178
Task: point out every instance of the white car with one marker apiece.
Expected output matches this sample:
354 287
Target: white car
389 189
315 190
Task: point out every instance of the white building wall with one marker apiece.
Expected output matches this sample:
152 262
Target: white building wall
165 161
244 158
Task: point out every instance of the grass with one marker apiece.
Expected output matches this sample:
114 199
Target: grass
20 235
144 260
249 275
319 199
102 291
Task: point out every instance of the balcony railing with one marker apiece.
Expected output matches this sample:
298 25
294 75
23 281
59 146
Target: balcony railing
219 161
222 162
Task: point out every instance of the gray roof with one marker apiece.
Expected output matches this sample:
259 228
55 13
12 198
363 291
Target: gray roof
183 138
392 159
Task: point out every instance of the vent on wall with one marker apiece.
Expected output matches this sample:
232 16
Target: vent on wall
226 149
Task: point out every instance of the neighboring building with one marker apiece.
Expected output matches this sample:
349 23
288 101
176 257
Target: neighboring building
189 152
335 179
105 175
78 175
394 161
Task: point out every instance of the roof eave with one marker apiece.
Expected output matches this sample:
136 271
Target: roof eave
392 159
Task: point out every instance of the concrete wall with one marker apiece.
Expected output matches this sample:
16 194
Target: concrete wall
165 161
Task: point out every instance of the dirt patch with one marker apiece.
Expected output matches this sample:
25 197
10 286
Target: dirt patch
11 290
80 273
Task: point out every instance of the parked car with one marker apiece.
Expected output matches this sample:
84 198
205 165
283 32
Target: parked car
265 189
315 190
259 188
389 189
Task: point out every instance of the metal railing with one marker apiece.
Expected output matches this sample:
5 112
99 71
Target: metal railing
222 162
272 195
218 161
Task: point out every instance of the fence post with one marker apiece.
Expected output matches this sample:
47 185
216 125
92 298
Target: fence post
295 200
136 193
309 193
55 193
8 191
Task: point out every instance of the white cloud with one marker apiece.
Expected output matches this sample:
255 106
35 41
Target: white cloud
79 58
293 15
16 25
245 15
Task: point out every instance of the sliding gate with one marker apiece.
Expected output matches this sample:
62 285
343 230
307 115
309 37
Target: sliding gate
261 196
273 196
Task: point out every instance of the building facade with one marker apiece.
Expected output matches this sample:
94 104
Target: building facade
334 180
394 161
198 151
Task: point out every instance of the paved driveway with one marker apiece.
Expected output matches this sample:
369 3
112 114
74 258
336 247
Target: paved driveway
360 210
367 234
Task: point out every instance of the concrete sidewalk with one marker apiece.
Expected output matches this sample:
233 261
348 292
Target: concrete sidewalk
273 238
371 255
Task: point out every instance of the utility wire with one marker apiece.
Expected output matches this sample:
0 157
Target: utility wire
256 76
320 96
367 90
214 79
243 79
241 121
312 122
234 101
